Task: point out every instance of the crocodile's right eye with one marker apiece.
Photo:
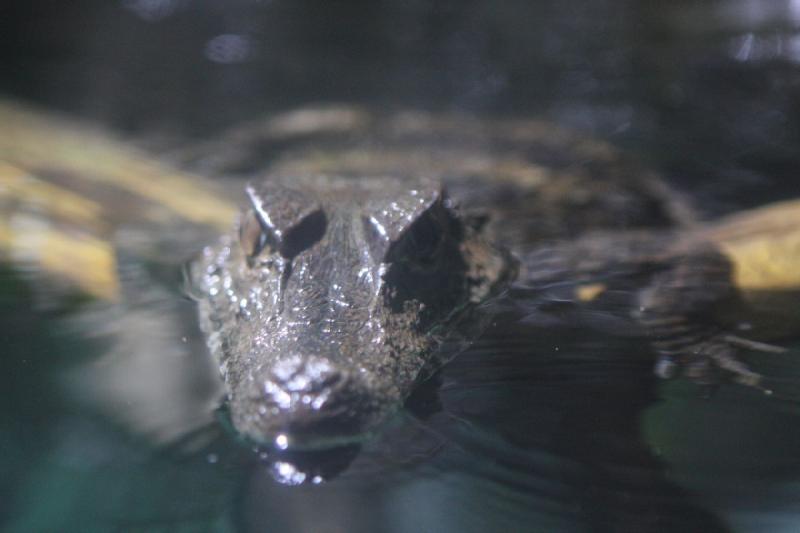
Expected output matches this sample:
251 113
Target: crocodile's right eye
420 245
252 237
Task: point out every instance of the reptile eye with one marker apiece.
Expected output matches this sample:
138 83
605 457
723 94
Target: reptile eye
252 237
420 245
285 220
304 234
425 238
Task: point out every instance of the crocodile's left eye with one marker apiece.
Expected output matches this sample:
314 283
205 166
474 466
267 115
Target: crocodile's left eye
254 237
304 234
282 220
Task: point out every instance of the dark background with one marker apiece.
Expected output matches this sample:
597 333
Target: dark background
705 91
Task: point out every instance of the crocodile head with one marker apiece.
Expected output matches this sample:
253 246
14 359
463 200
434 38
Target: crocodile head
332 299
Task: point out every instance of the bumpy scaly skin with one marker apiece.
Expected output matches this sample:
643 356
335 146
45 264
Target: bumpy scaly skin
323 332
320 340
339 350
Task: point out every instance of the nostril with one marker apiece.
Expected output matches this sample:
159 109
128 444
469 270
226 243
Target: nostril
304 375
306 399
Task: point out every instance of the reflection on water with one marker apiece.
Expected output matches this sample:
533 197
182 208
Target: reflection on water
556 428
110 421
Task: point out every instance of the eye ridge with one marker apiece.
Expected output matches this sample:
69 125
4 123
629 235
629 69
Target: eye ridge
421 244
254 237
304 234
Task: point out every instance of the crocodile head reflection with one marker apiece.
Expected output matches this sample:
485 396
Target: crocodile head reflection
333 297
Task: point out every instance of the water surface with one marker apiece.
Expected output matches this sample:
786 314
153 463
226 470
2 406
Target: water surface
550 428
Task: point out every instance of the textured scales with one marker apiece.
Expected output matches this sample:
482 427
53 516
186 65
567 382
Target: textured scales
322 332
331 298
351 271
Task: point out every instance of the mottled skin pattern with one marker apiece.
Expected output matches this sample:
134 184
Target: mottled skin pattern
351 272
334 297
348 275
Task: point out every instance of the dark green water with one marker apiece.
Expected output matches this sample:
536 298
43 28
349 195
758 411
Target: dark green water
547 429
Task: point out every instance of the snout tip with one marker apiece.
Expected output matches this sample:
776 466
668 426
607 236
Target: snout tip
305 402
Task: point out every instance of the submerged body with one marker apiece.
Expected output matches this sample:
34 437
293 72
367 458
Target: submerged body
334 299
420 221
369 246
370 243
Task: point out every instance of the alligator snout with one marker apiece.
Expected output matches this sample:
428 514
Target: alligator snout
332 295
303 399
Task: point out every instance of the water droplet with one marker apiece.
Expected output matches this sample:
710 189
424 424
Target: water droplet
282 441
287 474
